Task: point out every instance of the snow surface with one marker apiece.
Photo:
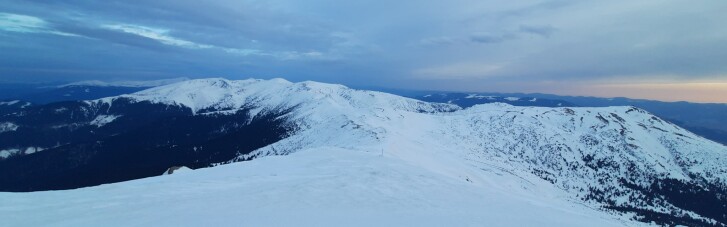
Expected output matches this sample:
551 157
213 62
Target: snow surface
9 103
476 96
327 186
371 158
176 170
30 150
7 152
222 94
11 151
102 120
8 127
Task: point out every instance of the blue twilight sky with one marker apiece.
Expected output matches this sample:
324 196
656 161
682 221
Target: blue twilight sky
667 50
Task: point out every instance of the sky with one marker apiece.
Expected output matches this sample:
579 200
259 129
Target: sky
664 50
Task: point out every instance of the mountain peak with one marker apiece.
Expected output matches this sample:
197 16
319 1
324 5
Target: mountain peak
225 94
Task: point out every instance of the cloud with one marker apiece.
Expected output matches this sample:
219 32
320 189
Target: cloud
27 24
163 36
157 34
530 9
458 71
705 92
544 31
442 40
422 44
97 33
21 23
482 38
293 55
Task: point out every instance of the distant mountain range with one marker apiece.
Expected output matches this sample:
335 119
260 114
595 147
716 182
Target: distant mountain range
621 163
138 84
706 120
83 90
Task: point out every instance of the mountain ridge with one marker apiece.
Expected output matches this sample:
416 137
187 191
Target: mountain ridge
620 159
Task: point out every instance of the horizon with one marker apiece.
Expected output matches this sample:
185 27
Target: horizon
330 113
650 50
363 87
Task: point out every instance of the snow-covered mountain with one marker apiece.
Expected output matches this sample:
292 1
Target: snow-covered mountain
704 119
12 106
620 161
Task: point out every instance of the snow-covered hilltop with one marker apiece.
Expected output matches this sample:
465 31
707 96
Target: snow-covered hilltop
611 163
215 95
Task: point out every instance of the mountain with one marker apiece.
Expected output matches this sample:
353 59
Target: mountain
12 106
83 90
75 93
138 84
11 90
607 164
704 119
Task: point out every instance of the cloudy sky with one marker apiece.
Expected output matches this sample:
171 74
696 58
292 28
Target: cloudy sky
666 50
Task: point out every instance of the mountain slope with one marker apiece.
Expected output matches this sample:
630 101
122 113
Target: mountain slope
322 187
621 160
13 106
